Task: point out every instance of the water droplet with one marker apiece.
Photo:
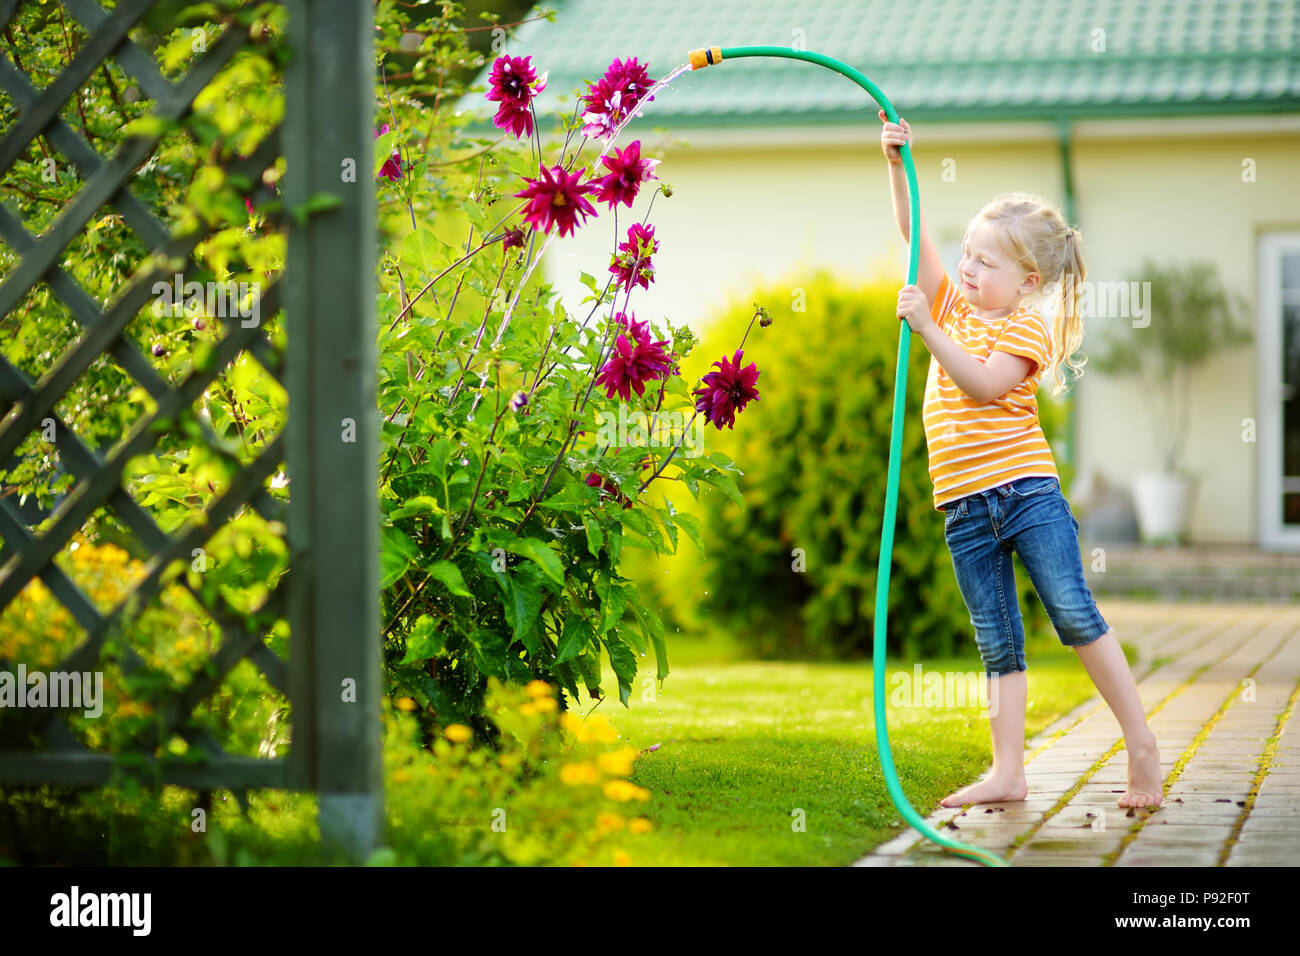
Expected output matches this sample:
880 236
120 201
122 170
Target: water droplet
465 461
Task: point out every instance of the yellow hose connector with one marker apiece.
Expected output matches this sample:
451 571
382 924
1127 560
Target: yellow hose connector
705 57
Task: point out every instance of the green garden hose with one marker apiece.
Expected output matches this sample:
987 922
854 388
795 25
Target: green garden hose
707 57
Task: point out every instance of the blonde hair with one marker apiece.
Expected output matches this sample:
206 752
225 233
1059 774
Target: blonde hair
1037 238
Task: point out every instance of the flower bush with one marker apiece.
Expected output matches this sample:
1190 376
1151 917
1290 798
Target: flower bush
554 791
507 499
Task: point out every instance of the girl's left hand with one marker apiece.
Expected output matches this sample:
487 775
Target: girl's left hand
915 308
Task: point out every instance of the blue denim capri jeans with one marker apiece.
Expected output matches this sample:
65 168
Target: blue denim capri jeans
1033 517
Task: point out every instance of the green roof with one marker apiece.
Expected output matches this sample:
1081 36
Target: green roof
983 59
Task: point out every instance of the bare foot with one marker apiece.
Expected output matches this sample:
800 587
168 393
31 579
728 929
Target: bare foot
992 790
1145 788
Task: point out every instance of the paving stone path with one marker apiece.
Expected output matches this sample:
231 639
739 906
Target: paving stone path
1219 682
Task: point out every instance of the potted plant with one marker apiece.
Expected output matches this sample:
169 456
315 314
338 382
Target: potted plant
1188 317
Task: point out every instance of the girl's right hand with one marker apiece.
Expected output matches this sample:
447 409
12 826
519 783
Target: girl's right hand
892 136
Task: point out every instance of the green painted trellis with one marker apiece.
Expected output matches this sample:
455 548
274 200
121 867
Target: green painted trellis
330 594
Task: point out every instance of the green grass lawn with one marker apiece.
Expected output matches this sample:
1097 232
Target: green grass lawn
745 745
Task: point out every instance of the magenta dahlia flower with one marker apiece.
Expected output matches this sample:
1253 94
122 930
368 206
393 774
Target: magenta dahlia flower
392 168
511 82
556 197
727 391
513 239
636 360
614 96
627 171
640 332
634 254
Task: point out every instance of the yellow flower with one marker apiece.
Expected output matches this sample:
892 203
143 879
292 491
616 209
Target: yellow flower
623 790
406 704
538 688
639 825
619 762
602 731
457 733
545 704
621 858
508 761
575 725
579 773
528 709
608 822
401 776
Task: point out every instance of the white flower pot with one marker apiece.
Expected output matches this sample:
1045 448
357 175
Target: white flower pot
1162 501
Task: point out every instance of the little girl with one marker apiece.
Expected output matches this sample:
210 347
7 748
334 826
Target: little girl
993 472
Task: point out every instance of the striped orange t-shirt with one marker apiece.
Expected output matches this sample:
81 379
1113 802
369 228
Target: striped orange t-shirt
975 447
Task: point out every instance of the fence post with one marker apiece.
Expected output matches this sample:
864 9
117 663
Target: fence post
333 422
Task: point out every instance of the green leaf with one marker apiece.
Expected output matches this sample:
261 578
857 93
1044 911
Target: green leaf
419 505
613 602
654 629
564 674
666 517
543 554
725 483
574 637
522 611
615 538
623 661
635 520
568 498
595 535
152 126
383 150
589 666
489 653
691 525
397 553
424 641
450 575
